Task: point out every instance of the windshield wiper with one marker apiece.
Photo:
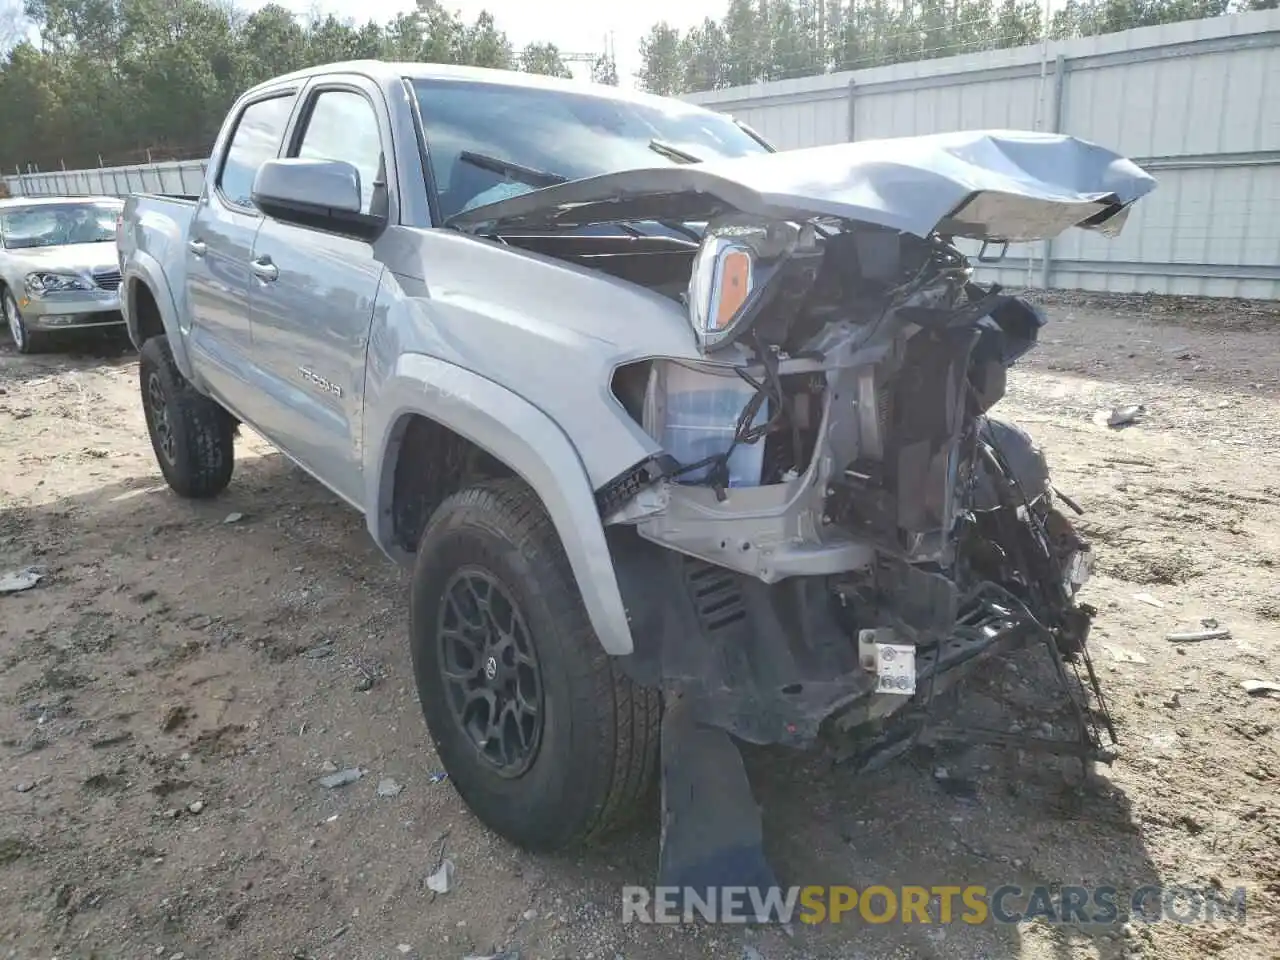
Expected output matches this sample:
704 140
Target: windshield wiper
672 152
516 171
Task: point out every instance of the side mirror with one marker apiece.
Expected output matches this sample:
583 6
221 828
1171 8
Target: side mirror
324 194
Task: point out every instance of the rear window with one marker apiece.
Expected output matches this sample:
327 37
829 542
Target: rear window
558 132
255 141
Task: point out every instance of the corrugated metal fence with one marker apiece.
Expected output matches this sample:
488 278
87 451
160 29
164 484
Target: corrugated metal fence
1196 103
182 177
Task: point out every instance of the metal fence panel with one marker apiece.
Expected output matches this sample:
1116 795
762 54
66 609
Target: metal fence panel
1190 101
171 176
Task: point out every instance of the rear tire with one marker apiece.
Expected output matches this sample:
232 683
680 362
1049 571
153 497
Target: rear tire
490 562
192 437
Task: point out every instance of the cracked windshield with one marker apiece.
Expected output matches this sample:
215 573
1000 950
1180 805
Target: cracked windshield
52 225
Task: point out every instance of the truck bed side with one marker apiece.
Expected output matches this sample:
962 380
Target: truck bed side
152 240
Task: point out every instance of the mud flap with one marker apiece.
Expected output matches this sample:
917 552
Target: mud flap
712 834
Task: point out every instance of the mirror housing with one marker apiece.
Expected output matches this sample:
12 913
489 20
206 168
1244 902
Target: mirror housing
323 194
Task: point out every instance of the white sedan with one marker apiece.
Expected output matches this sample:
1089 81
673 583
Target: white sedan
58 266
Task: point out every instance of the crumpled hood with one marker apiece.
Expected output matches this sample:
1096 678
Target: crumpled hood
987 185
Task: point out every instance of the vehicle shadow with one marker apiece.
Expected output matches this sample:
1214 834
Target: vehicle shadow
996 817
990 817
977 816
73 350
981 816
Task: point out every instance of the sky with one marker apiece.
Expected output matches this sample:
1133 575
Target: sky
575 26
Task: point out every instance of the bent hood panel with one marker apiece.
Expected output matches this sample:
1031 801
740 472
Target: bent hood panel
996 185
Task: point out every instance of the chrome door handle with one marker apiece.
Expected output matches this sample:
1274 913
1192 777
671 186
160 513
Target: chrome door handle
264 269
197 247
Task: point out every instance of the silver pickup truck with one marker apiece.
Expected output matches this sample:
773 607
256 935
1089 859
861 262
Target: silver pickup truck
685 439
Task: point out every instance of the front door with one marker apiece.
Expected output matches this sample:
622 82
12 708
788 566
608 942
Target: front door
312 299
220 246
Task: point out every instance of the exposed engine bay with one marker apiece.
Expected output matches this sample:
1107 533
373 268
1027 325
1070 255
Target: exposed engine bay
832 492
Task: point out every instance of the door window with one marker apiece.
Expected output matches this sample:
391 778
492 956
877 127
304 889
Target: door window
344 127
256 140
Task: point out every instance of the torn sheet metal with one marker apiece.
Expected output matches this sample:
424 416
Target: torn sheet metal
986 185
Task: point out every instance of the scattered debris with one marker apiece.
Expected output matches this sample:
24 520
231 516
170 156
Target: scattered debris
1123 655
172 717
364 683
328 767
13 848
404 948
319 652
341 778
965 791
111 740
234 518
750 953
1195 636
1122 416
1260 687
512 953
440 777
388 787
442 880
1149 600
195 806
16 581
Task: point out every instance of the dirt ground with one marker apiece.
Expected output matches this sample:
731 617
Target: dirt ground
173 689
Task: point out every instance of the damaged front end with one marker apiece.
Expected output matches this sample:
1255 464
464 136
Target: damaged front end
835 531
837 528
840 533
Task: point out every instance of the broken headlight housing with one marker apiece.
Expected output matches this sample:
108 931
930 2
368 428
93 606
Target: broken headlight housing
738 258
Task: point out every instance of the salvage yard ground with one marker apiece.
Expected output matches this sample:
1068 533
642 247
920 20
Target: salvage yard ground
172 691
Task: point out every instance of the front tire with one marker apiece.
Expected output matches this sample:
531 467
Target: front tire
193 438
24 339
544 739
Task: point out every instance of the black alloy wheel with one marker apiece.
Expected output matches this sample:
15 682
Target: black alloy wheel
492 678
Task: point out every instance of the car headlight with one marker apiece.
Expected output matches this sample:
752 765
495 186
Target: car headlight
733 266
42 282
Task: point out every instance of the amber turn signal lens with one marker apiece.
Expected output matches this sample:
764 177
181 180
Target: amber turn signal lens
735 285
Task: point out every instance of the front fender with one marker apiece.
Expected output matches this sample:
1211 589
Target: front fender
526 440
142 268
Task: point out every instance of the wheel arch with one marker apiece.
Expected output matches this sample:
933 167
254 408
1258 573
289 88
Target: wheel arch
150 310
468 412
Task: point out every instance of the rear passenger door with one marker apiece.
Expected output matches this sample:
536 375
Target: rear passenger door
220 246
313 294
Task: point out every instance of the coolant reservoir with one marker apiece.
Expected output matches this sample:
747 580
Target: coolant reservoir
693 413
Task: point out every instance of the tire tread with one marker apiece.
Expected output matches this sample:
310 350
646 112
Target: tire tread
206 443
